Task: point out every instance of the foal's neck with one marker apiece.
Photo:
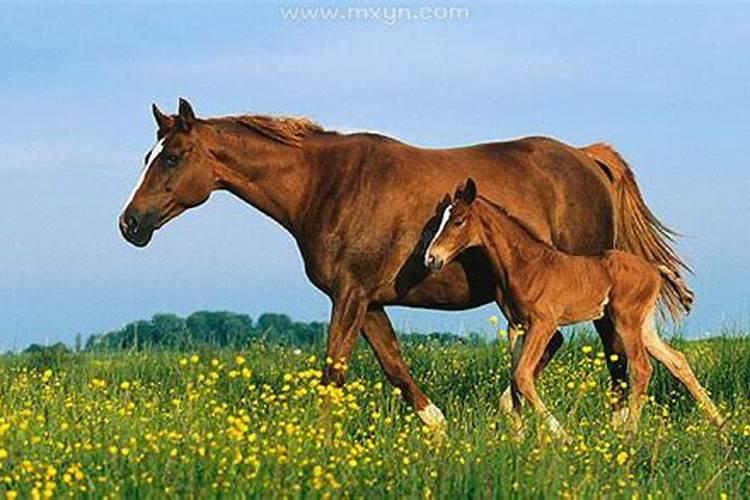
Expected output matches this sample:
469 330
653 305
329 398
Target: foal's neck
509 245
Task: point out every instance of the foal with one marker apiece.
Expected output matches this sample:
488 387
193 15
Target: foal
543 288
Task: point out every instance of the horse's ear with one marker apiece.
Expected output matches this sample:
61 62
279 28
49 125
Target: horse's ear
185 115
164 122
470 191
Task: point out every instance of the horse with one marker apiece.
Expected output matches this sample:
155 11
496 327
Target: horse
356 205
544 288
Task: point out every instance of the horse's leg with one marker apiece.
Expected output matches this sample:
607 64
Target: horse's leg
677 364
512 406
347 318
534 343
506 399
617 364
381 337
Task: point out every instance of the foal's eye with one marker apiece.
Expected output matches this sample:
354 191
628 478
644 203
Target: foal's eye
460 222
171 160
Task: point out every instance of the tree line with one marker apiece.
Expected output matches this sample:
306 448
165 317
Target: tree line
223 330
207 328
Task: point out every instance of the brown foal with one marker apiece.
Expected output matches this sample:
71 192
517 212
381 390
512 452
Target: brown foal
545 288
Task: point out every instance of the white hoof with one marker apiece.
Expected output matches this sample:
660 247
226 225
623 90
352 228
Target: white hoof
553 425
506 402
431 416
620 417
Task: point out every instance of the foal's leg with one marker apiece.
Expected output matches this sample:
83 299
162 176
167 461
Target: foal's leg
639 364
506 400
534 343
617 365
677 364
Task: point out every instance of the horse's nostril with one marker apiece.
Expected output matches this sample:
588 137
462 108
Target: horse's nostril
131 223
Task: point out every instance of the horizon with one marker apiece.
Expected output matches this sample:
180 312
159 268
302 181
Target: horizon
77 82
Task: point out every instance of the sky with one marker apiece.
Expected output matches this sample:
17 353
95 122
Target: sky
666 84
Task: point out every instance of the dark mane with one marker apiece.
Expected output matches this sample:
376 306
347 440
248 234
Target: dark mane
287 130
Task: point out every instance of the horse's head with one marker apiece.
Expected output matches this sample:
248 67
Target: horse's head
457 230
178 174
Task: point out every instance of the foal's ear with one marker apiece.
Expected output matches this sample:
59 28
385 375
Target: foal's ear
470 191
467 192
185 115
164 122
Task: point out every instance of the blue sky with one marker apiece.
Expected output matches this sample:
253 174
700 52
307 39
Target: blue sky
667 85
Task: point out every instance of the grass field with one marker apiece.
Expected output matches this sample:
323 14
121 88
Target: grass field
258 423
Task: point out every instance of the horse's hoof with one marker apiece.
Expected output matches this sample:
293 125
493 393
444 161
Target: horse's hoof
432 417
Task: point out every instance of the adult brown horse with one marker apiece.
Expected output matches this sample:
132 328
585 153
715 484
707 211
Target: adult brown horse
357 205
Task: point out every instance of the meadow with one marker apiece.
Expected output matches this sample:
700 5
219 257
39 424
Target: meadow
257 423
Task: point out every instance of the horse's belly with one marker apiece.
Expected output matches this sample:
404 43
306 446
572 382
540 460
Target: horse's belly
465 283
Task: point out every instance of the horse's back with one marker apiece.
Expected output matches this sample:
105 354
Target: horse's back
390 190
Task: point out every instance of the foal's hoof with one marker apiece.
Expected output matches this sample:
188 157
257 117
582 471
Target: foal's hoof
517 432
620 417
720 422
555 429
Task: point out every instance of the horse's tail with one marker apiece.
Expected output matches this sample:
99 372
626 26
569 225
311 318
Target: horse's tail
638 231
674 282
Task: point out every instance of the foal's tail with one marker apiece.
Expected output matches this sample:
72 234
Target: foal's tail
676 285
638 231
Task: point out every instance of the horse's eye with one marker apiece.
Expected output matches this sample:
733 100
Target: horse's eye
460 222
171 160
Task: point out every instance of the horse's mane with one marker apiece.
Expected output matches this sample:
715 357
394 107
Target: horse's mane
284 129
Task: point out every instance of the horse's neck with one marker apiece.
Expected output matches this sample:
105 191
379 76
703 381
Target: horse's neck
273 182
509 246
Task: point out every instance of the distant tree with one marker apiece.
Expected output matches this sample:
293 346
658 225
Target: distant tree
58 348
208 328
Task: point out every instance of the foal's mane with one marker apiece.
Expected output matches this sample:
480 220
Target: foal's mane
516 222
284 129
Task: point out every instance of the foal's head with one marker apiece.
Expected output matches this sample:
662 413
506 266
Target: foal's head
178 174
457 230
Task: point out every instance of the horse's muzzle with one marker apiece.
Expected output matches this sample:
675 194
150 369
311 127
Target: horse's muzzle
134 230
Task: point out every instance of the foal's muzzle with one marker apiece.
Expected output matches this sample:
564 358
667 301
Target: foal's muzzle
433 263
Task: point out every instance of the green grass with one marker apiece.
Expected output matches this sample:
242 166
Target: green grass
153 423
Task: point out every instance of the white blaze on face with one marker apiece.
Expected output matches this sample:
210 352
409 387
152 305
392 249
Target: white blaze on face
441 227
150 157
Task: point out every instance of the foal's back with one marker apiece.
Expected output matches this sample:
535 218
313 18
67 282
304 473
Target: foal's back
579 288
